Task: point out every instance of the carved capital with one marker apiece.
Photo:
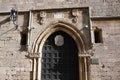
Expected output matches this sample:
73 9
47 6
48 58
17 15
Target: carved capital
33 55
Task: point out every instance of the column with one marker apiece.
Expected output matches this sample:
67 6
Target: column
84 67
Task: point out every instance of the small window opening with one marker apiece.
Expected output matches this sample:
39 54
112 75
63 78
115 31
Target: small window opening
23 42
98 35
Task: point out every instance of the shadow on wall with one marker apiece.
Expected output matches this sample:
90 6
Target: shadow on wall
24 32
3 22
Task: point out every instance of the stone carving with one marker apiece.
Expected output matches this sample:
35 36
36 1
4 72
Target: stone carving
59 40
42 15
74 15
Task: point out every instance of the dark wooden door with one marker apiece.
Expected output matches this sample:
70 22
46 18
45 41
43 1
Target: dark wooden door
60 61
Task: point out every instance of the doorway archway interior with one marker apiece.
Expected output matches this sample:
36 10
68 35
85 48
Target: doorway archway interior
60 58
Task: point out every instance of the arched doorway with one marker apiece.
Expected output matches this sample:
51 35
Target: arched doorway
60 58
79 67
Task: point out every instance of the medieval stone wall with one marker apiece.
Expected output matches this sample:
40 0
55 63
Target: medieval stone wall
14 65
14 61
108 53
98 8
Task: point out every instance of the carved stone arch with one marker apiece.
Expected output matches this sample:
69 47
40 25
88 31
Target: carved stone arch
71 30
63 26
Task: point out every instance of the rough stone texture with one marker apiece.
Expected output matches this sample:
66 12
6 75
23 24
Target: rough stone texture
13 63
56 15
15 66
107 52
99 8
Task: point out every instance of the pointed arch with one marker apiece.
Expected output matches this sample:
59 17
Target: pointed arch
77 36
63 26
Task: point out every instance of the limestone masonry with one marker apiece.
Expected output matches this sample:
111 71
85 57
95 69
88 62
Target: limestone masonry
94 26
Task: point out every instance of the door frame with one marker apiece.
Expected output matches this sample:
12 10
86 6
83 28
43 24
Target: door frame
70 29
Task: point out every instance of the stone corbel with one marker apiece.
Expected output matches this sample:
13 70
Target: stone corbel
75 15
42 15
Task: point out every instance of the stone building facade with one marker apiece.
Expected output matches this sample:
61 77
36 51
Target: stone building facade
87 28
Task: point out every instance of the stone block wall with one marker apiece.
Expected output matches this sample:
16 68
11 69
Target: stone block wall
107 52
54 15
99 8
15 66
13 63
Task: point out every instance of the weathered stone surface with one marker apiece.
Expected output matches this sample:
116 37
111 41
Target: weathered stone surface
99 8
107 52
14 65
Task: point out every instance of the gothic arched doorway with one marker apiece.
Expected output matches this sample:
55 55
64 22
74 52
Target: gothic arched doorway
48 48
60 58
